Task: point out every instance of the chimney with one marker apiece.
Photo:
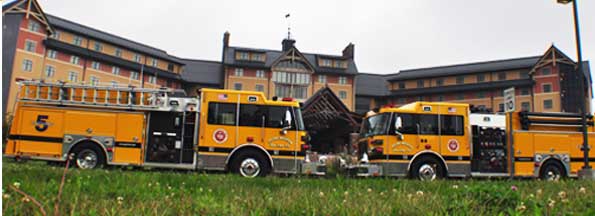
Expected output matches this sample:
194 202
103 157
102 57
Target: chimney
226 39
348 51
287 44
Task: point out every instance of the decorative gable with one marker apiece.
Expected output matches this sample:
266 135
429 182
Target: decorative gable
30 8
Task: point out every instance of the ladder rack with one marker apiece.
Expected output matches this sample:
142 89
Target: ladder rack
62 93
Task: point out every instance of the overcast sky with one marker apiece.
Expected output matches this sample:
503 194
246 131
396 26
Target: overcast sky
388 35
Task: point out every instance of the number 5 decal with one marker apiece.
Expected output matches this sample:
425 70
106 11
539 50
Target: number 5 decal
41 124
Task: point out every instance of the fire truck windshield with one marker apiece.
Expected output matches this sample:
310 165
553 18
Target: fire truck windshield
375 125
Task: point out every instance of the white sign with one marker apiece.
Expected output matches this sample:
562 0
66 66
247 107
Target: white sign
509 105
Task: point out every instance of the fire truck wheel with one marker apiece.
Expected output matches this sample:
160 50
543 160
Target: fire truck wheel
552 171
427 169
88 156
250 164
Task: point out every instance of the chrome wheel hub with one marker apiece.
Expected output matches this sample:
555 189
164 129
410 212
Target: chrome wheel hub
86 159
249 168
427 172
552 175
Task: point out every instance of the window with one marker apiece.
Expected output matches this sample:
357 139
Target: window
481 94
94 81
239 72
134 75
77 40
420 98
33 26
74 60
322 78
376 125
460 96
481 77
154 62
259 88
401 101
115 70
271 116
343 94
237 86
460 79
428 124
524 75
30 45
257 57
501 107
56 35
546 71
260 73
342 80
50 71
136 58
547 88
152 79
420 83
291 78
402 85
52 54
244 56
27 65
525 106
326 62
73 76
440 98
502 76
221 114
548 104
114 84
98 47
452 125
95 65
299 92
440 82
170 67
525 91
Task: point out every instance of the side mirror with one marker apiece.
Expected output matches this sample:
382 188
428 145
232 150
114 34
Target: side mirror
398 126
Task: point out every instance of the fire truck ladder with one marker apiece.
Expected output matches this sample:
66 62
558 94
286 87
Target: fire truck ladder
94 96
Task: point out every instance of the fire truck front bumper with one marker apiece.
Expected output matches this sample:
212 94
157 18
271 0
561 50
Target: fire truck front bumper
364 170
313 168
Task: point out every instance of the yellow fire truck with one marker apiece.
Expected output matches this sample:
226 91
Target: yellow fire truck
428 140
239 131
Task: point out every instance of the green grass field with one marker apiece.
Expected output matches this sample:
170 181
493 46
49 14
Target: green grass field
141 192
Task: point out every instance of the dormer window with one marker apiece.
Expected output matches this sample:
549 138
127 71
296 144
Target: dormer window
242 56
333 63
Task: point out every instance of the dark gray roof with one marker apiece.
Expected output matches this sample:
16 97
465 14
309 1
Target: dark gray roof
77 28
272 55
202 72
371 85
497 65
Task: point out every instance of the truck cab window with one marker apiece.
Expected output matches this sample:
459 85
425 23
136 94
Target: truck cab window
222 114
375 125
408 125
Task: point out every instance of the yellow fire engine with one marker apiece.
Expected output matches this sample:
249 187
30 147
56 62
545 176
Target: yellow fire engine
428 140
239 131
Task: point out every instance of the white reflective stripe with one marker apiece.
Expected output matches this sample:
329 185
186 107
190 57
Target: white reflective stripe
171 134
157 133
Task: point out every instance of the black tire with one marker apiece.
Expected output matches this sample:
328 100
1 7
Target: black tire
433 163
250 158
551 171
84 150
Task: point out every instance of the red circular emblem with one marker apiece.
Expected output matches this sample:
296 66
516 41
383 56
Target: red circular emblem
453 145
220 136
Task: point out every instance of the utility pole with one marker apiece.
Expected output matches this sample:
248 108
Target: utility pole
586 172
